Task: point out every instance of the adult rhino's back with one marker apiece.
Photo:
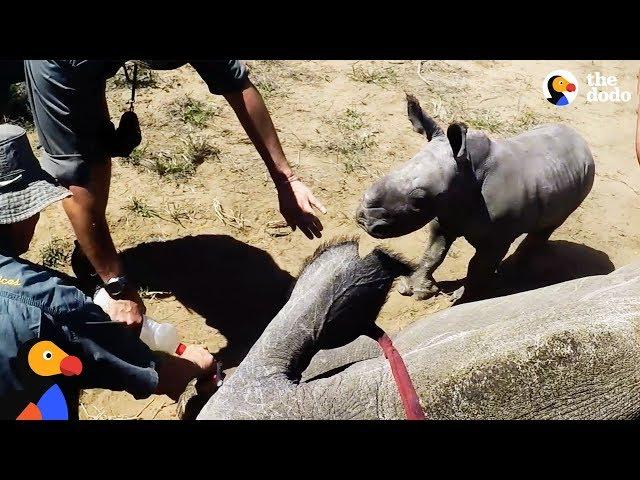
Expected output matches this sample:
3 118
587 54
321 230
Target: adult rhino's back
538 177
567 351
570 350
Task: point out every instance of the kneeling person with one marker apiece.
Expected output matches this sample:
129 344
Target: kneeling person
36 302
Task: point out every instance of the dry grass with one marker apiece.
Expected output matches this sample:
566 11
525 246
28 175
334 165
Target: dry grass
152 294
138 207
178 164
229 217
486 120
137 156
378 76
272 77
171 166
178 213
56 253
525 120
352 141
191 111
196 149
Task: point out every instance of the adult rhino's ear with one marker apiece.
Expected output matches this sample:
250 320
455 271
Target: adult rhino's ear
422 123
457 135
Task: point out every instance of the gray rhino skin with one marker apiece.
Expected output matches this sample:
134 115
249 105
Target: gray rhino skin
567 351
487 191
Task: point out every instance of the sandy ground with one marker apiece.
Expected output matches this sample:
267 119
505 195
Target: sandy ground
220 277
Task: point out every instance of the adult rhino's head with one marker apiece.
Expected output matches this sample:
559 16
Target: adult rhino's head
407 198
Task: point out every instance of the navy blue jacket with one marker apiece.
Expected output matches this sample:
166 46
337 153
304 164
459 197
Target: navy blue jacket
38 302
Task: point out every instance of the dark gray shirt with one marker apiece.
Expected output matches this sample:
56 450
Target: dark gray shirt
68 103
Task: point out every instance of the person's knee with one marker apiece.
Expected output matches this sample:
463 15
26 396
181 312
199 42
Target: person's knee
91 196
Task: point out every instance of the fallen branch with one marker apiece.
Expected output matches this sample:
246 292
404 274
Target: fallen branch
420 62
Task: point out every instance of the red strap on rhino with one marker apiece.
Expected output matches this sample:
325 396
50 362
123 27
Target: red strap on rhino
408 395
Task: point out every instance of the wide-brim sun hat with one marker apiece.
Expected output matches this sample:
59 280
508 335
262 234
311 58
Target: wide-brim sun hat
25 189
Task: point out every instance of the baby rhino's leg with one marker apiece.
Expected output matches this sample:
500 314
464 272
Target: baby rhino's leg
481 268
421 283
535 240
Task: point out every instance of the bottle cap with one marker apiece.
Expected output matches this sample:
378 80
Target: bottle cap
181 348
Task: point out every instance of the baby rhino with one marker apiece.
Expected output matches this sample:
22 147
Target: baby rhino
488 191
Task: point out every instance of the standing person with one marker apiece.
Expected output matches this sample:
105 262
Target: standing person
70 112
37 303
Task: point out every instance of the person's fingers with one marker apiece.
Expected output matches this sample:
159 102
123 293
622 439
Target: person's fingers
316 203
305 206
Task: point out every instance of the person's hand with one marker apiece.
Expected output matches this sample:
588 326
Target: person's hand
128 309
296 206
201 358
175 372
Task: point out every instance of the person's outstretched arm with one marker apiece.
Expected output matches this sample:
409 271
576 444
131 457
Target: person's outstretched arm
296 199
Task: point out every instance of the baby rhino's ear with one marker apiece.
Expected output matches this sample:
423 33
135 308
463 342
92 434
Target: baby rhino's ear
421 122
457 135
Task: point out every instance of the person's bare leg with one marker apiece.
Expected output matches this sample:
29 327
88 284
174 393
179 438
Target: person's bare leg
86 211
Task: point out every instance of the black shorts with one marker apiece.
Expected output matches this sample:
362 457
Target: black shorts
69 108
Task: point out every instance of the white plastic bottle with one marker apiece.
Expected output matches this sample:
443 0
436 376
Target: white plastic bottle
162 337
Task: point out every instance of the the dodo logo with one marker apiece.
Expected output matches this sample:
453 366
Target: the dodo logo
560 88
40 366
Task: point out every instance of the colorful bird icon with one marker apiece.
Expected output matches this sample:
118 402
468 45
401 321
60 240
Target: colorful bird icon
38 363
557 86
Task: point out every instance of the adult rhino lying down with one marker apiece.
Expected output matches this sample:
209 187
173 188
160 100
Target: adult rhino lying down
567 351
488 191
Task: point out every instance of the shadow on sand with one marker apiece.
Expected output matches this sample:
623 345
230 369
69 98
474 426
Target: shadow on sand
237 288
555 262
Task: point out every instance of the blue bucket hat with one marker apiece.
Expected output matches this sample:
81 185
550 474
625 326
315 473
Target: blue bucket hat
25 189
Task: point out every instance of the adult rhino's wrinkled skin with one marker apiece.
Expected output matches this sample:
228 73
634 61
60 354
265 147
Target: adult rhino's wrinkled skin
464 184
567 351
